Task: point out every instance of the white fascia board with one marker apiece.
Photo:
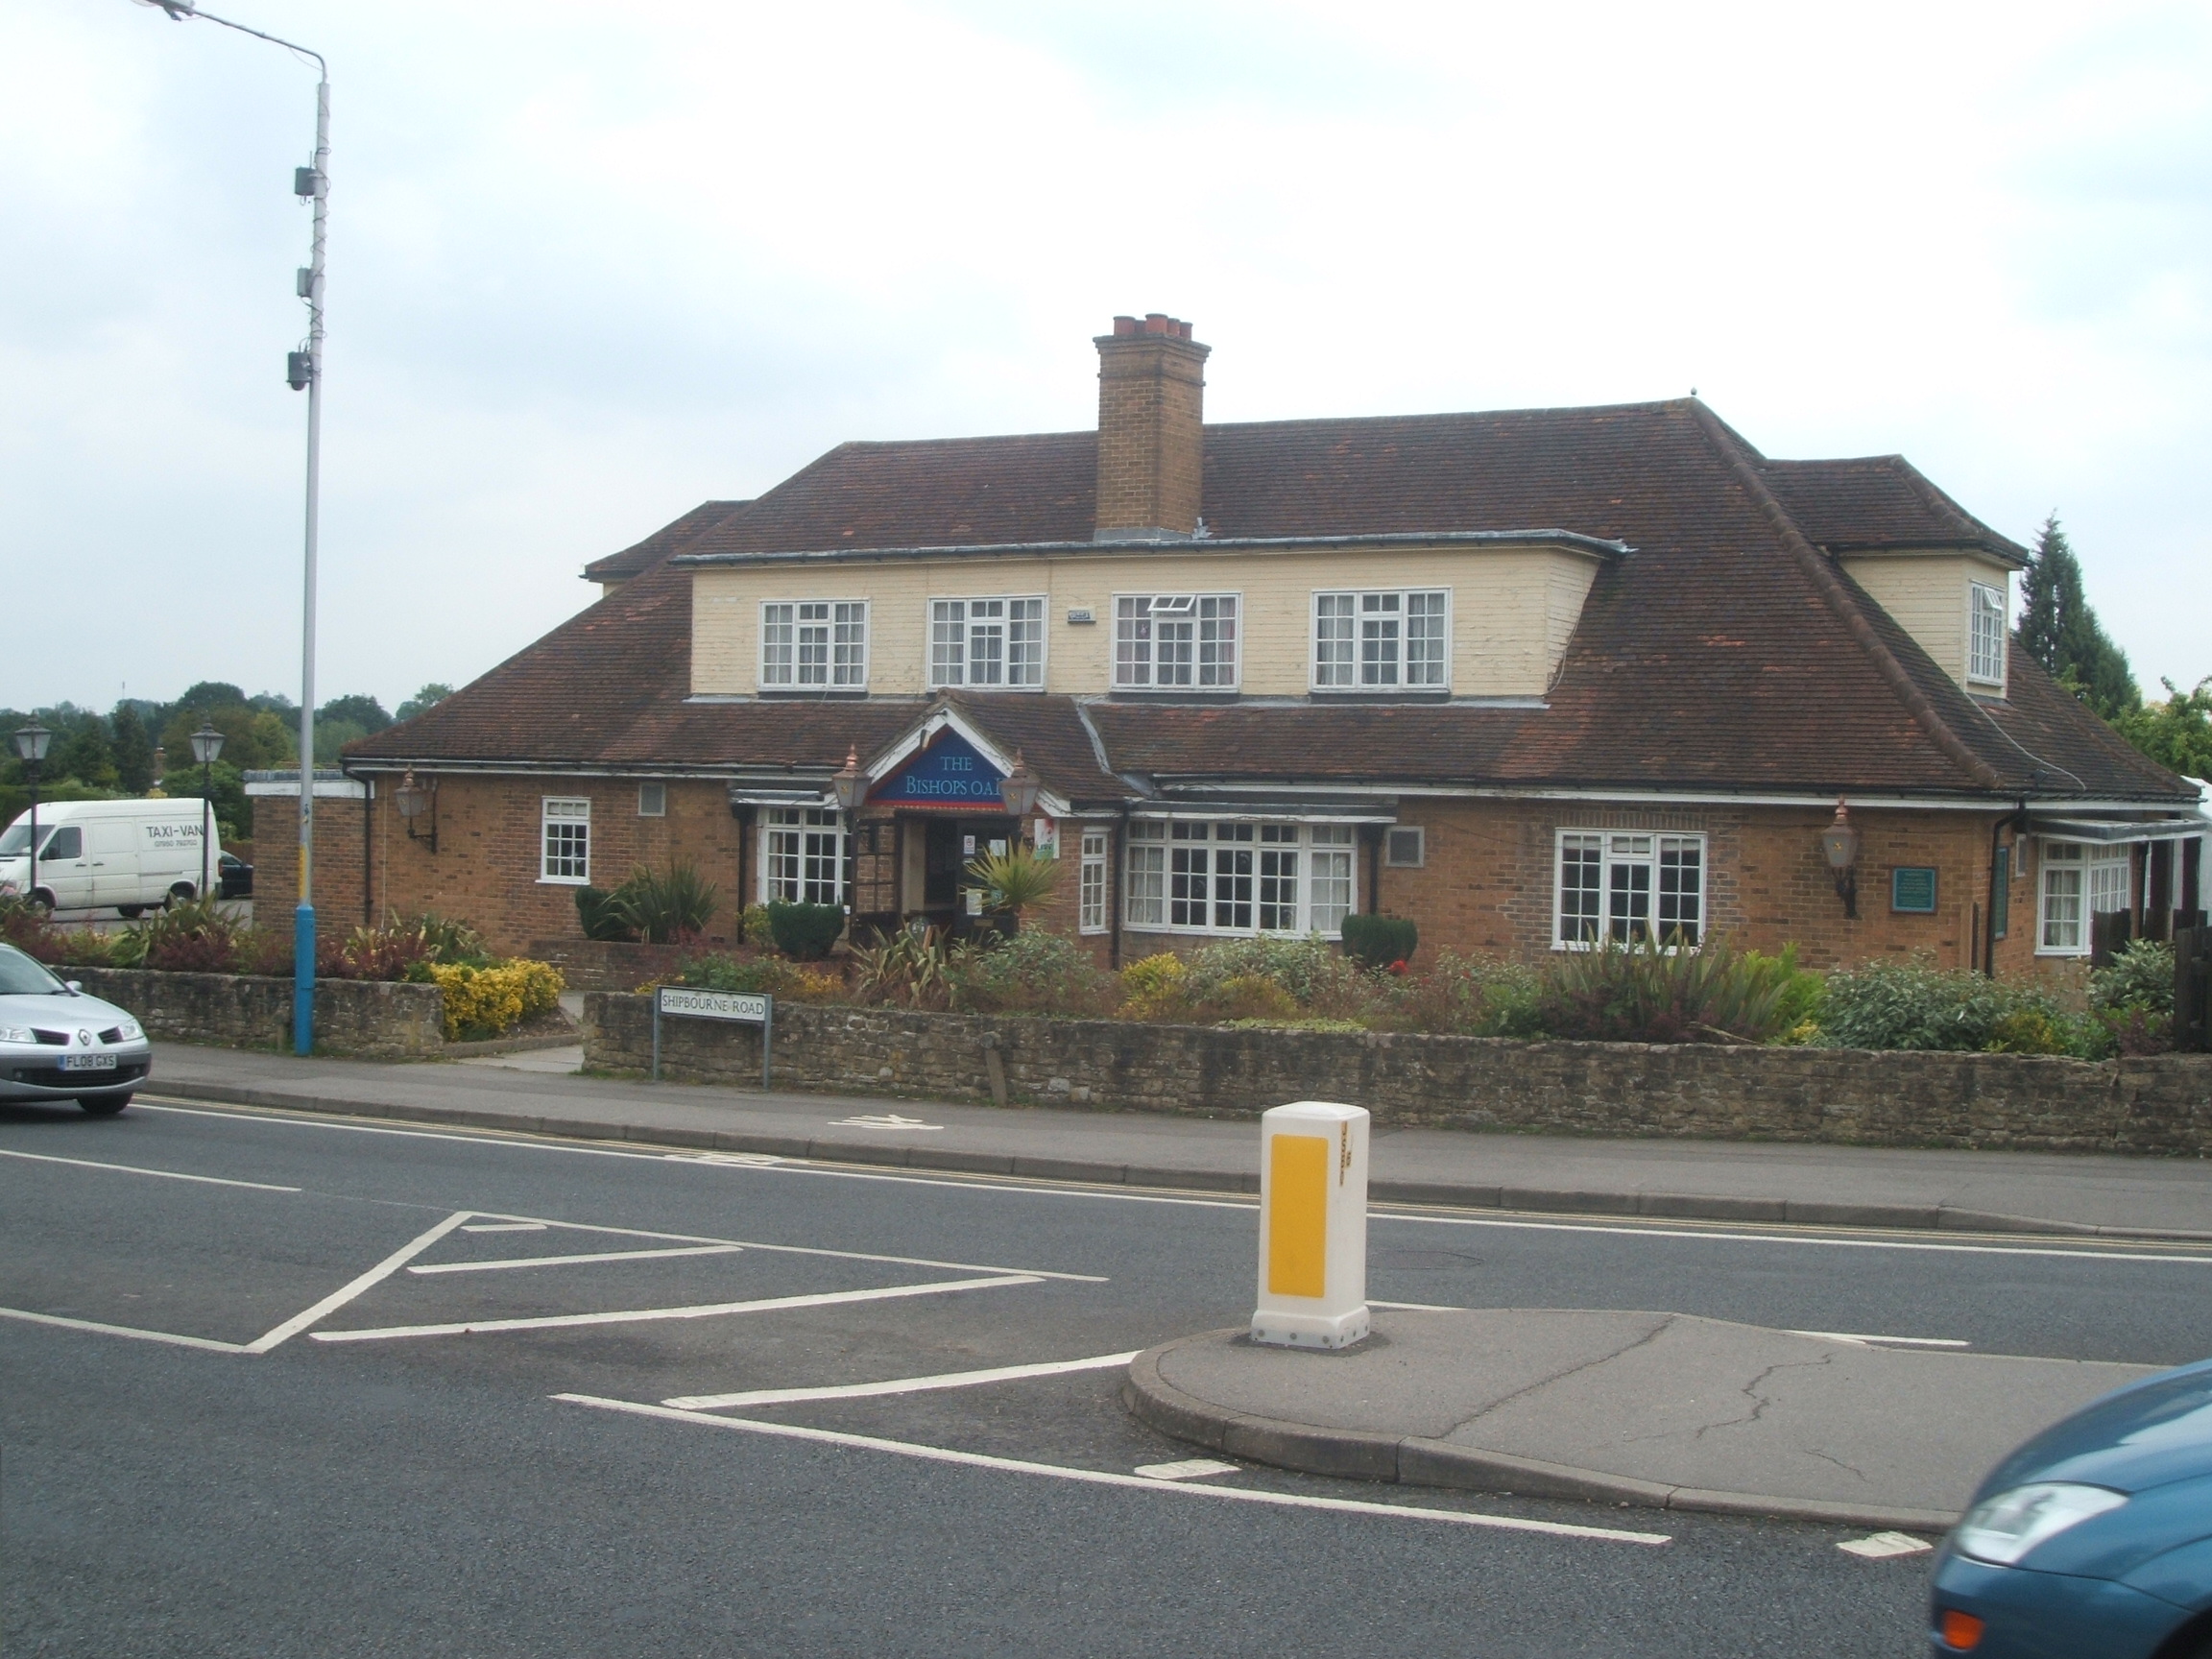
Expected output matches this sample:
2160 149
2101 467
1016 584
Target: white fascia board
1681 797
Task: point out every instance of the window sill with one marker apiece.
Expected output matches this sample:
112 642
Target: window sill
563 881
813 693
987 690
1175 694
1378 694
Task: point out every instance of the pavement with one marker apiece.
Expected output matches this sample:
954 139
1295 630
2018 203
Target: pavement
1770 1183
1662 1410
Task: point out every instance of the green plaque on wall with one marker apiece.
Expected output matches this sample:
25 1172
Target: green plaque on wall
1913 889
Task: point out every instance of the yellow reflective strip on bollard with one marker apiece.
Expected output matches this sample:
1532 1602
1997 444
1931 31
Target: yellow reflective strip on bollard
1298 1217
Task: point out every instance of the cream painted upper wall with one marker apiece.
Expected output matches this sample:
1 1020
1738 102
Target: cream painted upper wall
1512 609
1928 595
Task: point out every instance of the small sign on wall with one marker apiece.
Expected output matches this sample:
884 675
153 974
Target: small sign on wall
1913 889
1045 836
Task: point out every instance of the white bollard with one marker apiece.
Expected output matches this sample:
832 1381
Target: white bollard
1313 1226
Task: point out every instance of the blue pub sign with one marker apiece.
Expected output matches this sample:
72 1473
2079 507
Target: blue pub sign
950 773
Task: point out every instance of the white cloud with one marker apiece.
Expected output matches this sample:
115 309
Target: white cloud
590 266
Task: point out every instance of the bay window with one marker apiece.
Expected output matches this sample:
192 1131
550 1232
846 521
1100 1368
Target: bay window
1191 876
802 856
2081 879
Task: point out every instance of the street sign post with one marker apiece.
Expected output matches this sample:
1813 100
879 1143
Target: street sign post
745 1007
1313 1226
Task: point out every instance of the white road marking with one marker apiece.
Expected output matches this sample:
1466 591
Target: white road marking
2119 1250
123 1330
883 1120
1188 1469
1883 1546
1416 1306
897 1384
702 1311
1864 1341
504 1227
1104 1478
744 1160
836 1255
346 1294
573 1261
135 1169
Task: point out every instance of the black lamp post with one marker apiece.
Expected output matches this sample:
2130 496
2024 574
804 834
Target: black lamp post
206 745
31 742
1839 846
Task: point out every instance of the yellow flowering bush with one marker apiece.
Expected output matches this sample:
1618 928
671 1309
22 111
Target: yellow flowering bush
1155 987
482 1002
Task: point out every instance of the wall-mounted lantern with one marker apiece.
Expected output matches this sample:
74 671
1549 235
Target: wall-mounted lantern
850 783
1839 846
1019 789
415 803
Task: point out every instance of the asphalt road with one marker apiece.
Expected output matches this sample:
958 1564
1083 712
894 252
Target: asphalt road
327 1466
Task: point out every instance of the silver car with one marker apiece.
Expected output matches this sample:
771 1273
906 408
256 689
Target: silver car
57 1044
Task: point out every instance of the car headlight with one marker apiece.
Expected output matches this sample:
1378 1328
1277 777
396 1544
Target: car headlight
17 1034
2005 1527
130 1029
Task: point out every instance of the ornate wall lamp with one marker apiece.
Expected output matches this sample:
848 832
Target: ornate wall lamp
1839 846
416 803
1019 789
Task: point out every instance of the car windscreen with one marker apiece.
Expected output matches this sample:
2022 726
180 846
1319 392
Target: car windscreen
21 977
15 839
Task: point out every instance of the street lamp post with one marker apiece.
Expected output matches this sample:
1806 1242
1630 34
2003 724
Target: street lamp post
31 743
206 746
302 371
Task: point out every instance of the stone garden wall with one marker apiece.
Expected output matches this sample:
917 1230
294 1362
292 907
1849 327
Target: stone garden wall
2156 1105
369 1017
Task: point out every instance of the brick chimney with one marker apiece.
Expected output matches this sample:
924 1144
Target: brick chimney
1151 440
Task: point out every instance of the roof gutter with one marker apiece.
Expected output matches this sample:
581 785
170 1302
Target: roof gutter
1597 547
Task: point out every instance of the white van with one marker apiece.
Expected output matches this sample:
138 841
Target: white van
134 855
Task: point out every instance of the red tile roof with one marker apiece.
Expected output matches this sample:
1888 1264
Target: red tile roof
1730 650
670 537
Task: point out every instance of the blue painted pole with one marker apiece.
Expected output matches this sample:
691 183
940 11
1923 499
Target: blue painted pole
303 979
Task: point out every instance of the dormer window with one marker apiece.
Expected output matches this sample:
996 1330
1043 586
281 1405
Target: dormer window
1985 634
1176 641
814 645
987 643
1381 641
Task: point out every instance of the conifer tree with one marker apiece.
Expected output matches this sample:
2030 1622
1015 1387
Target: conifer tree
134 752
2058 628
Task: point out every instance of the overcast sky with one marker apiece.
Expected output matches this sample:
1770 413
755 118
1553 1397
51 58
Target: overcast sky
591 265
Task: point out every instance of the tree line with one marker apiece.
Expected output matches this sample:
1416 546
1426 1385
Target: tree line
141 744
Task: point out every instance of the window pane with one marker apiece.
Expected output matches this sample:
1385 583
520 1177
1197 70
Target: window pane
566 854
813 651
850 648
1425 640
1025 642
1147 879
948 630
1187 861
1681 890
2062 908
776 642
1629 903
1217 640
1279 885
1090 896
1578 889
1378 627
1331 875
1333 628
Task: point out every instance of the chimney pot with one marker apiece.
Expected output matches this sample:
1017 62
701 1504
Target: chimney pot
1124 326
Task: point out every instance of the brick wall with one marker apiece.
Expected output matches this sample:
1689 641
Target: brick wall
2162 1105
339 853
1152 443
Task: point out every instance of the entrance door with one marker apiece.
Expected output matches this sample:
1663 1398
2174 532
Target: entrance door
949 846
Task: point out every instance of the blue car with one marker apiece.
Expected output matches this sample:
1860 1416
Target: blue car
2093 1540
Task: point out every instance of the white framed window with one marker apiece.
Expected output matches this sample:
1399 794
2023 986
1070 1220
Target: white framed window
1382 641
652 799
564 843
1241 876
2081 879
1091 889
987 643
814 644
802 856
1626 887
1406 846
1172 641
1985 634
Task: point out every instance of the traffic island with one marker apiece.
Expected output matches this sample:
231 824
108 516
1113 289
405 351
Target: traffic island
1665 1410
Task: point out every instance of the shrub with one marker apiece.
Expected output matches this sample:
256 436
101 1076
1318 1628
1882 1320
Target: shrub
772 975
1032 973
1156 987
1799 993
753 925
806 931
911 966
25 927
2141 975
189 937
1464 995
1377 942
1311 973
483 1002
601 920
1016 880
664 908
1249 998
1913 1005
1645 993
